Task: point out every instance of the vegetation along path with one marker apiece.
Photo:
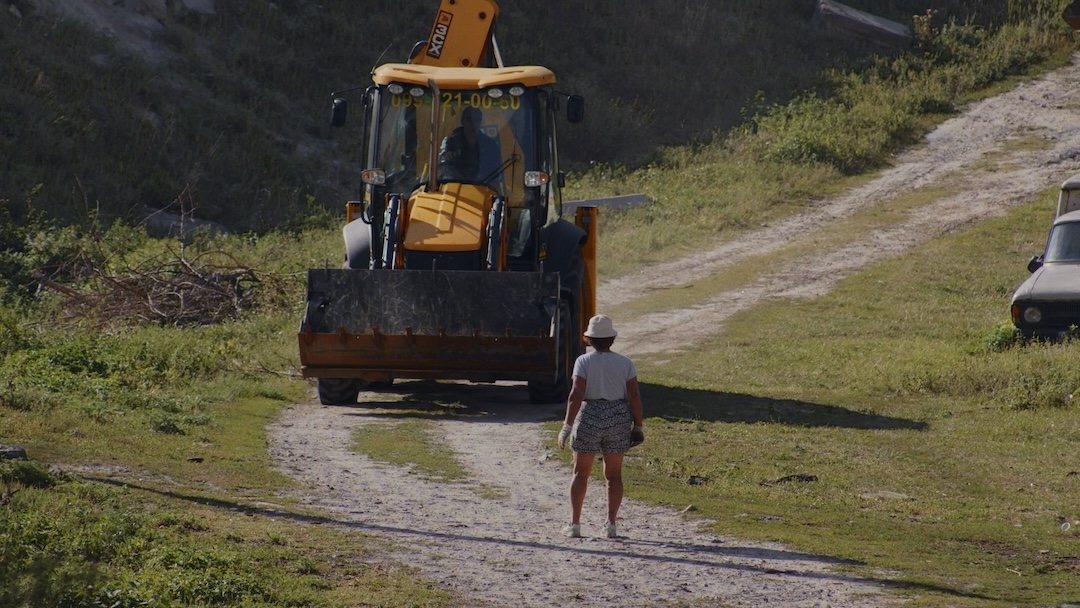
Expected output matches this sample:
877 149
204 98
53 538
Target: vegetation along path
494 540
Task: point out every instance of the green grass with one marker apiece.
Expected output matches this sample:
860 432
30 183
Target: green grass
142 547
405 438
784 156
937 458
409 444
179 415
939 446
199 518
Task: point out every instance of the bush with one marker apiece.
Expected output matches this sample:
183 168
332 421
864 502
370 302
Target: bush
1003 337
24 473
863 114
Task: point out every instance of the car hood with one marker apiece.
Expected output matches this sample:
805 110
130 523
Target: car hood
1051 283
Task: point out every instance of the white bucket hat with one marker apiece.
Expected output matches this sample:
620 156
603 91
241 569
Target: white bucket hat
600 327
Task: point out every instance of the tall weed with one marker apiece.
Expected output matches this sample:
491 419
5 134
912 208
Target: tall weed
867 114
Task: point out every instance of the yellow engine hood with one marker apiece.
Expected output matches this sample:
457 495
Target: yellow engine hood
452 219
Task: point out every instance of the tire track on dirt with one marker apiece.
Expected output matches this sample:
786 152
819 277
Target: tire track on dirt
1043 108
677 330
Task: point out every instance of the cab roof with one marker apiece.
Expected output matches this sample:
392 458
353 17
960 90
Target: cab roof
1066 218
462 78
1073 183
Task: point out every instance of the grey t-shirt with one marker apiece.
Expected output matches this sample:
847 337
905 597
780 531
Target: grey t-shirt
605 373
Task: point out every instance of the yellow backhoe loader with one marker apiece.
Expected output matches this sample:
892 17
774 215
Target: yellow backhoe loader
458 264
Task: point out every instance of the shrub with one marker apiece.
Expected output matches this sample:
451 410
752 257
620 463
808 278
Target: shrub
1003 337
25 473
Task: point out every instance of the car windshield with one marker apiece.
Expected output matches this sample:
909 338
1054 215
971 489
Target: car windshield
482 138
1064 243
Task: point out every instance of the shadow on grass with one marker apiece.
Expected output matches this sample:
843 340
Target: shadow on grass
507 402
710 406
719 556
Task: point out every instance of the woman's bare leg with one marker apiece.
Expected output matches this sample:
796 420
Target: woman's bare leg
613 475
583 464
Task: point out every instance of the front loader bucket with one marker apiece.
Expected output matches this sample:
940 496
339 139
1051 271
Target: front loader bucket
442 324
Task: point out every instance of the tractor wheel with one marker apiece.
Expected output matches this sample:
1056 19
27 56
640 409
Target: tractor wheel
337 391
557 390
568 343
376 386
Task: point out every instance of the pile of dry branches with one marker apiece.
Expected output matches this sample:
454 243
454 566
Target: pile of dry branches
171 291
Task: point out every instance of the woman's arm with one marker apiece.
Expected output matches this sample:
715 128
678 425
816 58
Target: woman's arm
633 395
573 402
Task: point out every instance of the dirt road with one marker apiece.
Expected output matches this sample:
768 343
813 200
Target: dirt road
495 540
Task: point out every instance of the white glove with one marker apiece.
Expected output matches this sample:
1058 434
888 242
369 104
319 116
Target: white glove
563 434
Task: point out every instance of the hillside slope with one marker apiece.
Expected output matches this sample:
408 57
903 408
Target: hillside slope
218 108
984 159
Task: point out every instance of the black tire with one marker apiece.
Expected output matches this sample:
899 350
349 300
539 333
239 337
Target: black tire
569 343
337 391
556 391
381 385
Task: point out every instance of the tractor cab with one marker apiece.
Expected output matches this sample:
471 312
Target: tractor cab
489 142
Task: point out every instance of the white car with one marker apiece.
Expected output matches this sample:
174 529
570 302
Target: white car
1047 304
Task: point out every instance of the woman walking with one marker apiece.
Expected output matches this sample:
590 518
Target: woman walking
603 416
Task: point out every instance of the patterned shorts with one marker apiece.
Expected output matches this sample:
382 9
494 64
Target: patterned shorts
602 426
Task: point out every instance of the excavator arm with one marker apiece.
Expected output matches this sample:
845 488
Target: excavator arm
463 36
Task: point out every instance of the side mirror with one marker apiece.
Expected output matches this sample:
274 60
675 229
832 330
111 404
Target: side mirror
575 108
1035 263
340 111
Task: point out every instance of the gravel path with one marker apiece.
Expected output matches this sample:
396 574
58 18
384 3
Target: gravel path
984 156
506 551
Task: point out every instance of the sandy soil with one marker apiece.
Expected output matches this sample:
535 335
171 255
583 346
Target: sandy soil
506 550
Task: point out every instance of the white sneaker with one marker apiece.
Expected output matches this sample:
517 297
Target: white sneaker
610 531
572 530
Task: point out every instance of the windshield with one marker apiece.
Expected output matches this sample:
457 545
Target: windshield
1064 243
484 137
